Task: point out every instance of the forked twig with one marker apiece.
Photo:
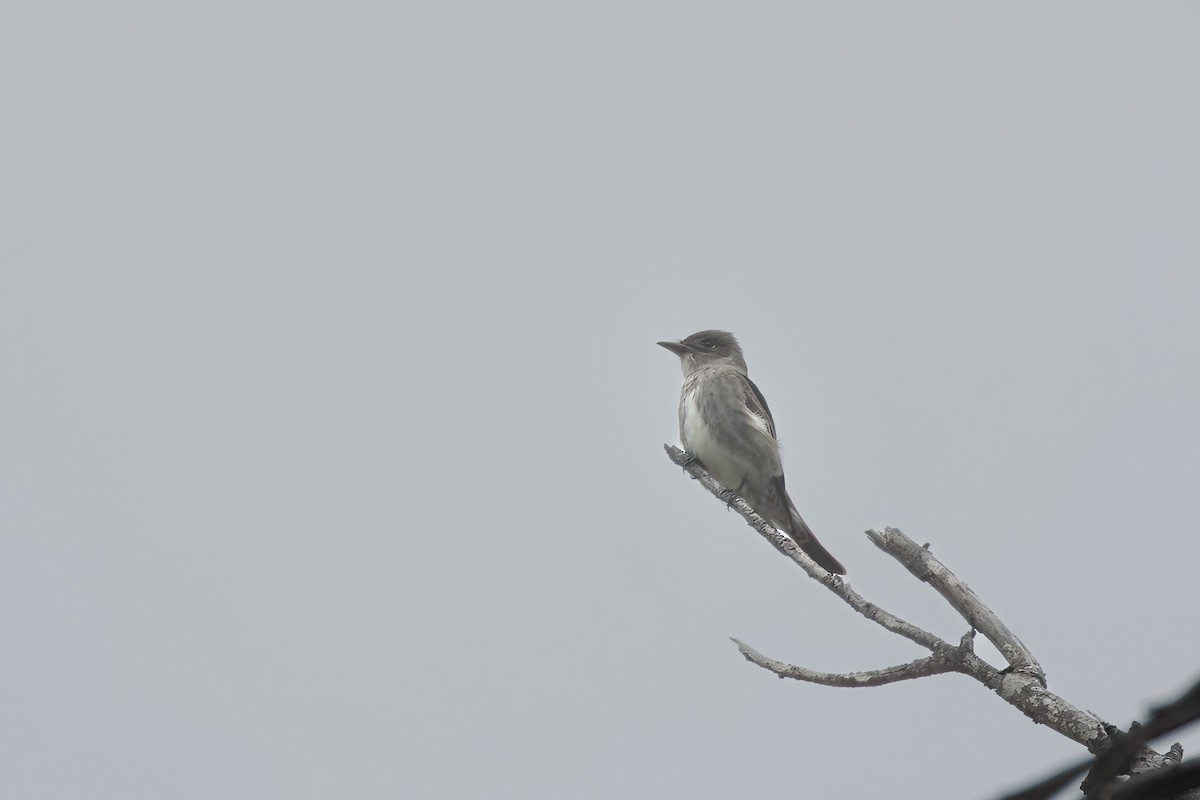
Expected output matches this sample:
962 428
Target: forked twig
1022 683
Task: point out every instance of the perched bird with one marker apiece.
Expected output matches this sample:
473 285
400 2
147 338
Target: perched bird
724 423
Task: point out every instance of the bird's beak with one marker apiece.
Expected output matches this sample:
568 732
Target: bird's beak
678 348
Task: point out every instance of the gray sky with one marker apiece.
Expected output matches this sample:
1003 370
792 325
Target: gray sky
331 455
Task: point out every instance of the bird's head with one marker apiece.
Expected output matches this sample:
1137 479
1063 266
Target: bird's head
707 348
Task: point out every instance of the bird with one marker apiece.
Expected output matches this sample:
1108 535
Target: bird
725 425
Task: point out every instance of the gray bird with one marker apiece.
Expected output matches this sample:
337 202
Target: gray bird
724 423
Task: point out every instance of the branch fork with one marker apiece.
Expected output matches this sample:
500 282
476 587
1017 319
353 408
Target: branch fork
1021 683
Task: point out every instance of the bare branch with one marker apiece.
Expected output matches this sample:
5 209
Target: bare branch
787 547
1184 710
922 667
1178 780
1022 685
927 568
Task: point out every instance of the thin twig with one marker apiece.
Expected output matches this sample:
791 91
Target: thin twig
922 667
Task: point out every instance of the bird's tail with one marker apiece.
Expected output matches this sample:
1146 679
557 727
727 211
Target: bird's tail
803 536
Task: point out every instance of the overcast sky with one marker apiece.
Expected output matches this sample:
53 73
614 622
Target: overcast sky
331 448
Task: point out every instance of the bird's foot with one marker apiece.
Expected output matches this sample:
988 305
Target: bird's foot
729 495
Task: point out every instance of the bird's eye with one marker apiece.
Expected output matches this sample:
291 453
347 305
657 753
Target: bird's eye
708 344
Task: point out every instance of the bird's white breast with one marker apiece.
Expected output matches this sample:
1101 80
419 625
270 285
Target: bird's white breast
697 437
727 454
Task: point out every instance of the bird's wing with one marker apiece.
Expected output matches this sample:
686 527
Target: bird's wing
756 404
